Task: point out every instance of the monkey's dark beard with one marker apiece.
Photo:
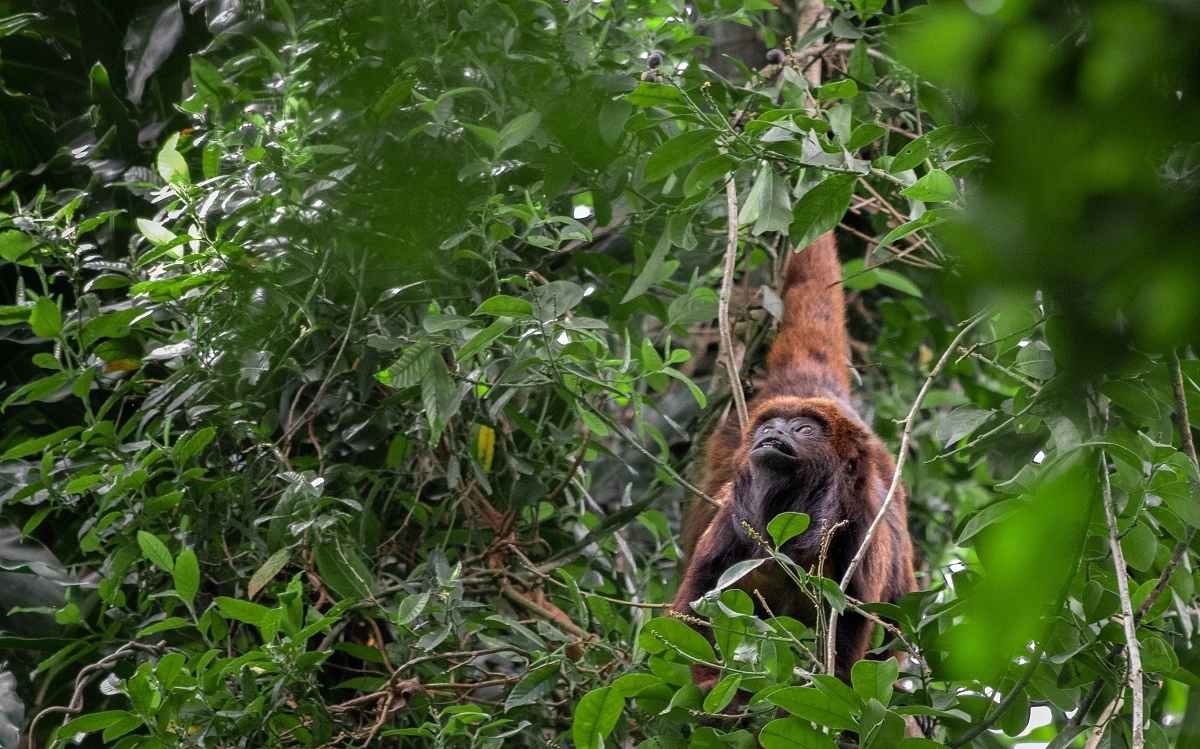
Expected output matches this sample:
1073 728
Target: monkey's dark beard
760 494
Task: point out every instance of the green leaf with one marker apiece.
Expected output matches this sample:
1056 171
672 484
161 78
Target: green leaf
846 89
596 716
187 575
172 167
926 220
649 94
935 187
774 203
15 245
738 571
705 173
677 152
173 622
793 733
342 570
855 278
505 306
859 64
875 679
410 608
92 722
650 271
812 704
191 446
530 689
516 132
207 81
722 694
664 633
155 551
959 423
11 314
821 209
786 526
267 572
909 156
864 135
1183 499
46 319
410 368
158 234
242 611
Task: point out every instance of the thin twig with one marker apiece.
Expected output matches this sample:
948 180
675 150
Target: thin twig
735 381
909 421
1131 641
1188 447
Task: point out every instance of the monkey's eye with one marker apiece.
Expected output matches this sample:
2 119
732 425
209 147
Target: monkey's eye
805 430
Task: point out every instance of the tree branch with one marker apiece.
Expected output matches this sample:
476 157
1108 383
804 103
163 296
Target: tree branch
831 639
735 381
1130 624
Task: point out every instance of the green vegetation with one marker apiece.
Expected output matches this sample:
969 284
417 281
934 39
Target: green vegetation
356 359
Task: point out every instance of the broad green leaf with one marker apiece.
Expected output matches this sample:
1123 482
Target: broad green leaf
677 152
935 187
410 608
156 551
187 575
650 271
722 694
267 572
854 277
15 245
774 203
172 167
530 689
812 704
846 89
207 81
875 679
664 633
242 611
1183 499
596 716
927 220
649 94
821 209
173 622
92 722
630 684
342 571
481 339
864 135
158 234
738 571
786 526
793 733
504 305
191 446
46 319
705 173
516 132
959 423
909 156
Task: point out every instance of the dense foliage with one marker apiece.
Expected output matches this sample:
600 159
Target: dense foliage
357 357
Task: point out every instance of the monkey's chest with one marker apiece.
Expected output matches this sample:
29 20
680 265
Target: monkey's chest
769 582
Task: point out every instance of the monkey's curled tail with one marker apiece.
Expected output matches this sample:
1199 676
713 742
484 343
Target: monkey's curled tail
812 348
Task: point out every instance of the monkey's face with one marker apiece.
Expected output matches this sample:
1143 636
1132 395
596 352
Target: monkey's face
787 445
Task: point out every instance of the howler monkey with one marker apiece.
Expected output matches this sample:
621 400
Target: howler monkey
803 450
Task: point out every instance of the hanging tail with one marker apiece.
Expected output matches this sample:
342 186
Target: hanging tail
812 350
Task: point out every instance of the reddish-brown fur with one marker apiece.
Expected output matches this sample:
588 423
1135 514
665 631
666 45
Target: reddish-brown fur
849 466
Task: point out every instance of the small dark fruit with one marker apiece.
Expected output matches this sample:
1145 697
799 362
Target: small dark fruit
653 60
649 75
775 57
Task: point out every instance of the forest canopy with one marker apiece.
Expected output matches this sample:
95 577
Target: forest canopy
357 362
